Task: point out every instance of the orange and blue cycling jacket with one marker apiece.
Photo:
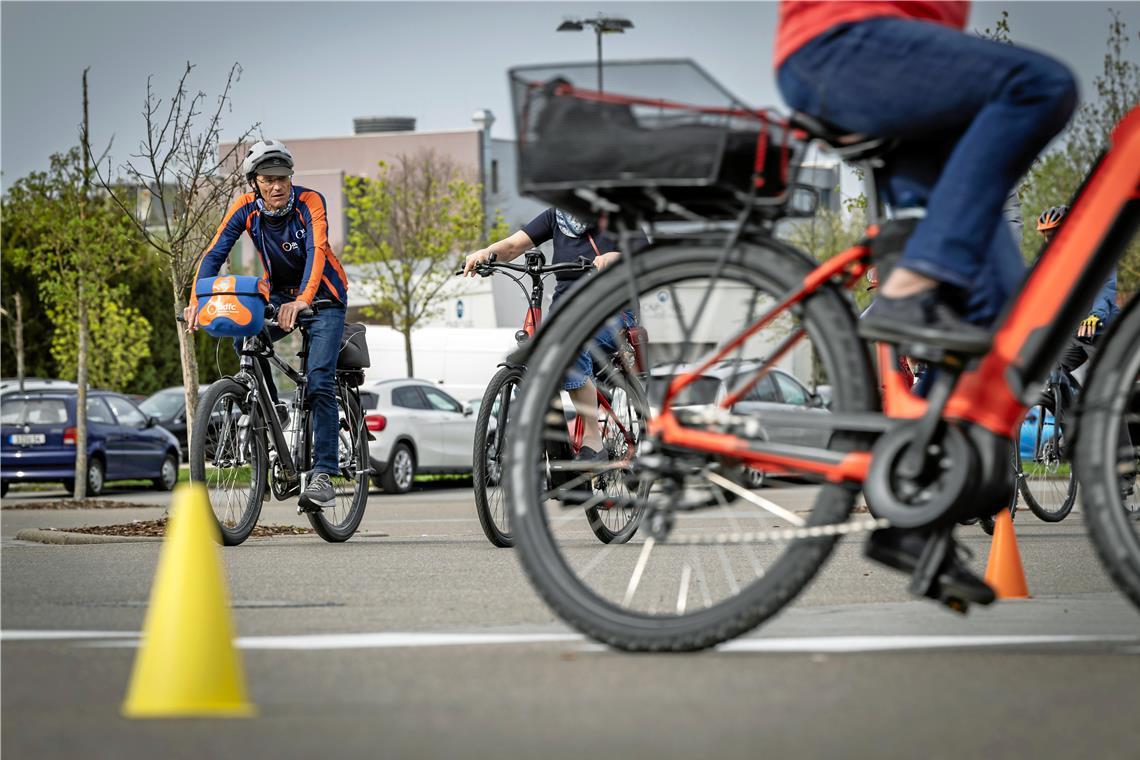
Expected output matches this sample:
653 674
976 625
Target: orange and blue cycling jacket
294 249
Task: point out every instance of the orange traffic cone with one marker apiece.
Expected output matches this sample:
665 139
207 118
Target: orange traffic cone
1004 572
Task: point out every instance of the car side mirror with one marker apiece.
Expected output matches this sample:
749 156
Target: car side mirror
816 401
151 421
467 410
179 418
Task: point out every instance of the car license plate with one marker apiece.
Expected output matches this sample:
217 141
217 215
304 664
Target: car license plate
26 439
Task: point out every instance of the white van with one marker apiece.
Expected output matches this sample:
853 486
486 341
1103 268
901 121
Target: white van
462 360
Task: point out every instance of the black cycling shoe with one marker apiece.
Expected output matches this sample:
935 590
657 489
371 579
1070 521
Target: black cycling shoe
925 324
318 494
901 549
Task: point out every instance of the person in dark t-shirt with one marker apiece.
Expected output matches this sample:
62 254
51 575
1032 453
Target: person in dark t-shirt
573 238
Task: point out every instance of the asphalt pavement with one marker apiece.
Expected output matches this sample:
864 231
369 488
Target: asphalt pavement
419 639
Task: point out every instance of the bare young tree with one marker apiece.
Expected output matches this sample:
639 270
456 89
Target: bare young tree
407 226
176 189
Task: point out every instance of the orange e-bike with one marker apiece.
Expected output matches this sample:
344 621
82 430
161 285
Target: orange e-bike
715 557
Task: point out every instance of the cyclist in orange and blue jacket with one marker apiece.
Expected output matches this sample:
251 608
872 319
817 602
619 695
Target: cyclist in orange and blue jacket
288 225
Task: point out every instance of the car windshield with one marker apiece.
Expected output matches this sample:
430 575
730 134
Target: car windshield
164 404
34 412
698 393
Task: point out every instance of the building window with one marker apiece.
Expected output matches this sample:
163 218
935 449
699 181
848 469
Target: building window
494 175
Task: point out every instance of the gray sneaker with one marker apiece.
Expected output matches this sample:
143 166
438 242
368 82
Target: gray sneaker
318 494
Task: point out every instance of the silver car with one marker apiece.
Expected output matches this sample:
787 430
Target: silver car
416 427
777 390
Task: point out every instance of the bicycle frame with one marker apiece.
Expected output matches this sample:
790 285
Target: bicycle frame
256 356
994 393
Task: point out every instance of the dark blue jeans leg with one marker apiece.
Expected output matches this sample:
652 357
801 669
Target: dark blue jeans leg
325 332
997 104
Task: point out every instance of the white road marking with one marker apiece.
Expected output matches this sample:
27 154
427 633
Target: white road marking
394 640
896 643
64 635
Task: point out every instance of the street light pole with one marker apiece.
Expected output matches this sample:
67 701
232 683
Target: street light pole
601 25
598 34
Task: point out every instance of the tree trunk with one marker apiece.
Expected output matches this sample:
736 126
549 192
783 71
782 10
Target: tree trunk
81 353
408 352
81 398
189 364
20 341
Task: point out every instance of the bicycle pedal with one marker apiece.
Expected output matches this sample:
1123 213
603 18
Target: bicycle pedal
955 604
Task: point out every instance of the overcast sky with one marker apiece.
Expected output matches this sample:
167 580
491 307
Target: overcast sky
309 68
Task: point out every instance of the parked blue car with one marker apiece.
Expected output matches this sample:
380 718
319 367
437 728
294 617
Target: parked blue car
38 435
1029 431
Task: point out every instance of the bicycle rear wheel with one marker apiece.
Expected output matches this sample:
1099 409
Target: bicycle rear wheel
229 455
1046 477
488 457
1108 458
340 521
721 565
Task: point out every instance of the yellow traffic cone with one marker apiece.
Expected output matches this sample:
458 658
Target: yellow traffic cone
187 665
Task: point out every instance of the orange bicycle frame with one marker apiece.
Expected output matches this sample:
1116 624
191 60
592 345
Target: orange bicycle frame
993 393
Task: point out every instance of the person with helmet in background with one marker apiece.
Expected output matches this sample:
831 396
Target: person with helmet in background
1104 308
288 225
1082 346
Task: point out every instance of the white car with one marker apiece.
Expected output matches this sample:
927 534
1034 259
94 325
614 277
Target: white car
416 427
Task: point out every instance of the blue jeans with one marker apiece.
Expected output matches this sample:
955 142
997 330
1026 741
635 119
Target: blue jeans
971 113
605 341
325 332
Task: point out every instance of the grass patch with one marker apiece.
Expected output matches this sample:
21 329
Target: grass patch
442 477
1033 469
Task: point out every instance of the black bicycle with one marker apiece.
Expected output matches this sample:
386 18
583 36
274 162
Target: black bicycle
245 446
605 497
1044 470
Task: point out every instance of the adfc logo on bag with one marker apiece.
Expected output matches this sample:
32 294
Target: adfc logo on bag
224 304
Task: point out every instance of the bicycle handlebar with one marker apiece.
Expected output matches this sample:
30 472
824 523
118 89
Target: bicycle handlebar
487 268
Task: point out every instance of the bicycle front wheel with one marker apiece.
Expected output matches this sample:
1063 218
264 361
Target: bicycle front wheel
229 455
339 522
622 417
1108 458
711 558
1045 476
488 456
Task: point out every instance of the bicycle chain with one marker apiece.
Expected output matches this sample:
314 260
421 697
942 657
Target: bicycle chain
783 534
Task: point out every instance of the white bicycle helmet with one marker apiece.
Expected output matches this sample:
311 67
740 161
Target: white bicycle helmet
268 157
